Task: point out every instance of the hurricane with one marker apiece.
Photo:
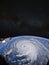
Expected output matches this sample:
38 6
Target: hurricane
30 52
26 50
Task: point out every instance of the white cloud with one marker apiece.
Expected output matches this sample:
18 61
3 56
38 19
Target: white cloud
26 48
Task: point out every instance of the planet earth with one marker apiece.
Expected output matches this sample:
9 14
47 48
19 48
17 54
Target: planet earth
25 50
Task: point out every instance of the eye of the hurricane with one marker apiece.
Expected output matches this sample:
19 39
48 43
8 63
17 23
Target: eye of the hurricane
26 48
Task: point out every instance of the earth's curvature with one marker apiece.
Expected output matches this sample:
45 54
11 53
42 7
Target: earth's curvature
26 50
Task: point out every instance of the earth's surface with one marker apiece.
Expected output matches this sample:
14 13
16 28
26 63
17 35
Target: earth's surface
26 50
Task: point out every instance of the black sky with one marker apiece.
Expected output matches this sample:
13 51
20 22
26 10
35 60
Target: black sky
24 18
